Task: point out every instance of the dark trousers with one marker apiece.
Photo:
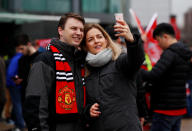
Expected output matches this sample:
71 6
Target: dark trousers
162 122
70 126
17 106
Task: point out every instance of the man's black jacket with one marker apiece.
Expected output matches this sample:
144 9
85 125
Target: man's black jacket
169 77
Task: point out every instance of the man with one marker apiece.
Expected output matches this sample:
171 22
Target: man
55 93
15 89
25 62
168 76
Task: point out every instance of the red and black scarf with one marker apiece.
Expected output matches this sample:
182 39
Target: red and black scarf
65 86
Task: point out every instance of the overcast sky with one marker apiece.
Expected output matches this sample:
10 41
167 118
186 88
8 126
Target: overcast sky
179 7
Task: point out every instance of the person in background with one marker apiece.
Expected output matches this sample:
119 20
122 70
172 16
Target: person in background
110 81
25 63
168 76
14 88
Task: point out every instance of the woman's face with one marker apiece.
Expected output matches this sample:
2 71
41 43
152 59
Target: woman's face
95 41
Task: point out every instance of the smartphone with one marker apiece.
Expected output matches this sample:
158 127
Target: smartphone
15 77
119 16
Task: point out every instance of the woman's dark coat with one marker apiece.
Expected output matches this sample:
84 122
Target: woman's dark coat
112 86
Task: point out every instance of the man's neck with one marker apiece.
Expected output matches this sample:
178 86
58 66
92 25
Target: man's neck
67 43
32 50
172 41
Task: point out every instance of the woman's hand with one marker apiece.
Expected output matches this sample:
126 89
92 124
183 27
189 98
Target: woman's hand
123 30
94 110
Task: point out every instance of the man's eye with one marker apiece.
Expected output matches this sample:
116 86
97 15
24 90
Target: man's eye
82 30
73 28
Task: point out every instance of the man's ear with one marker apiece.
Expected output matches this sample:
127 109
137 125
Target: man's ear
60 30
166 36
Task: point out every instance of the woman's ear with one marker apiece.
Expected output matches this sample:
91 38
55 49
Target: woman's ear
107 43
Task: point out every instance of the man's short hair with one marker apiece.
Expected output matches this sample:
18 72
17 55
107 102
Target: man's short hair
164 28
22 39
64 18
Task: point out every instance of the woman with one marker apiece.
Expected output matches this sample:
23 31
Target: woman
110 82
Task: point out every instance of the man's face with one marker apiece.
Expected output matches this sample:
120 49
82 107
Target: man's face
26 50
72 33
21 49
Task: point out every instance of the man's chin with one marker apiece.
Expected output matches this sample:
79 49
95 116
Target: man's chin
75 44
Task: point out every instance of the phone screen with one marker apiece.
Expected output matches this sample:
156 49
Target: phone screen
119 16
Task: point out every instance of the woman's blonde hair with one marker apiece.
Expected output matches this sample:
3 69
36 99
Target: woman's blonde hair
116 49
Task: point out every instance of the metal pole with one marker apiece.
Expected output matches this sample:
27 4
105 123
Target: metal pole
76 6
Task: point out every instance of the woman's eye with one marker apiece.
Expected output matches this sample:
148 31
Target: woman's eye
89 40
99 36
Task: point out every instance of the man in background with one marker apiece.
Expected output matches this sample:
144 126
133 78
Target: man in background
168 76
25 63
14 87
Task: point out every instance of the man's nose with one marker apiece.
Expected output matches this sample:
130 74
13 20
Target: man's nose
79 32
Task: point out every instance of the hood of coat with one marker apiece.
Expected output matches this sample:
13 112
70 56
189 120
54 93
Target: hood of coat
182 50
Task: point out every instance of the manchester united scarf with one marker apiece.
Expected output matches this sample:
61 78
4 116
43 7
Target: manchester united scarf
65 86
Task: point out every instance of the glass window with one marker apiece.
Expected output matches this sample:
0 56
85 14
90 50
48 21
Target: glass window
102 6
4 4
96 6
115 6
54 6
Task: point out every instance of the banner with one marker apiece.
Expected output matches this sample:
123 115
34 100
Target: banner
151 46
175 27
43 42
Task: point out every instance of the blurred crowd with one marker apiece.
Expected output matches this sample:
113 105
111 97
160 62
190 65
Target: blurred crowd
14 74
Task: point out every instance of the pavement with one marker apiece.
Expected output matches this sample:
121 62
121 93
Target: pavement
186 125
6 127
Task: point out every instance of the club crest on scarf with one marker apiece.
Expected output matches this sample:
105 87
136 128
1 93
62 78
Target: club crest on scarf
66 98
